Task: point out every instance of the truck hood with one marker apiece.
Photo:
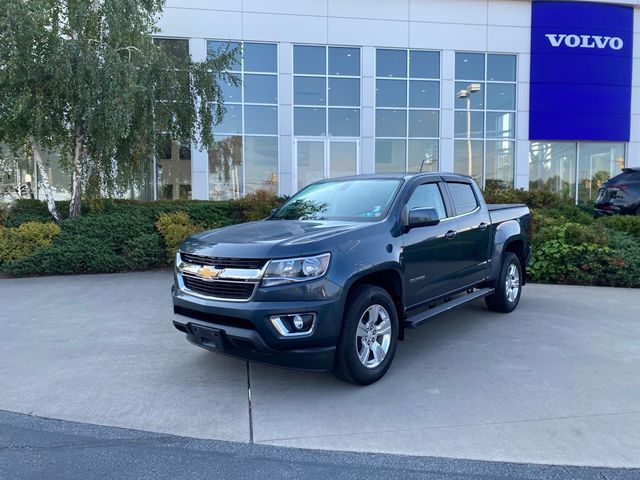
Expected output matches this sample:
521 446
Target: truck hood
271 239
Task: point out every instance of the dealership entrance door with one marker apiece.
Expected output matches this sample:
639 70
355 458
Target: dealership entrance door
318 158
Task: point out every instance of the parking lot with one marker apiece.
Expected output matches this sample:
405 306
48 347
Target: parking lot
555 382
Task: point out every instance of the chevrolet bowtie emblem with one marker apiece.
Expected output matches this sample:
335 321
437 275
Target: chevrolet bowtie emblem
208 272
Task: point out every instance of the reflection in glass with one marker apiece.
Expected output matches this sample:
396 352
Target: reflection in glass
424 94
259 119
390 155
468 157
597 163
499 164
260 88
310 158
391 93
260 57
552 167
469 95
423 156
309 90
225 168
261 164
500 125
216 47
468 124
173 176
344 61
342 159
501 68
231 122
344 122
309 59
424 64
391 123
344 92
231 93
501 96
423 123
391 63
309 121
470 66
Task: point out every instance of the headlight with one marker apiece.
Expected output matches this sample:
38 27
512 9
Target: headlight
292 270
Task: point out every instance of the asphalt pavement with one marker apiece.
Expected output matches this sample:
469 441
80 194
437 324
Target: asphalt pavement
555 382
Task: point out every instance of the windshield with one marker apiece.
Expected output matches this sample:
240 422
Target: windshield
352 200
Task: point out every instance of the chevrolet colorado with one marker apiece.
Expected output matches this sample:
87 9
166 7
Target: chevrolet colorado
333 278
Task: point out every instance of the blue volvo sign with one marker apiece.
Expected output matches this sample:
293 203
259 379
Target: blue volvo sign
581 62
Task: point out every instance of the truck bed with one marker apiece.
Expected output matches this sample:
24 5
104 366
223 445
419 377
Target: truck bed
507 211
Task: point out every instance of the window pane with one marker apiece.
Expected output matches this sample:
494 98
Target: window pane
260 89
597 162
231 93
499 164
309 121
552 167
470 66
500 125
427 196
464 200
391 63
310 161
217 47
176 49
309 91
469 95
261 164
391 93
501 68
225 168
391 123
423 123
309 59
468 157
261 120
423 155
343 159
390 156
231 122
424 64
344 61
501 96
469 125
260 57
344 91
344 122
424 94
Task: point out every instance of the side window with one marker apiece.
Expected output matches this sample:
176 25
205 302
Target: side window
427 196
463 197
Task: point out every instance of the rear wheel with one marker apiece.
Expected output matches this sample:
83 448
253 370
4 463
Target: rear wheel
369 336
508 286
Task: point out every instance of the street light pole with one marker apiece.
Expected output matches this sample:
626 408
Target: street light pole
466 94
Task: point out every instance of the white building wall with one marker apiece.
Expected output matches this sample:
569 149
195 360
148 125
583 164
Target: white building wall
498 26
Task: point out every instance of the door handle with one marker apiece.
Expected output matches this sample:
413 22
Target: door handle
450 234
482 227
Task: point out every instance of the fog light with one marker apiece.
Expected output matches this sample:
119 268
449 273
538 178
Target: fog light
295 324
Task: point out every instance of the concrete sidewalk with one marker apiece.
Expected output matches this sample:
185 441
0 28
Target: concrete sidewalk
556 382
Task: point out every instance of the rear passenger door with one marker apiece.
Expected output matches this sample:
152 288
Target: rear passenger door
474 232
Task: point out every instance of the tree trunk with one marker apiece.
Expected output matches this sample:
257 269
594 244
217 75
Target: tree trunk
44 178
76 176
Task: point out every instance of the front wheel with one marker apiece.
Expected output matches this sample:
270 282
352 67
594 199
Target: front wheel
508 286
369 336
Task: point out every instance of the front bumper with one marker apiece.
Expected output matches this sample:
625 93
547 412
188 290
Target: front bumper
243 329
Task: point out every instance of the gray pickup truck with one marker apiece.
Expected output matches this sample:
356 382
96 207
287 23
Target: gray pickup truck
334 277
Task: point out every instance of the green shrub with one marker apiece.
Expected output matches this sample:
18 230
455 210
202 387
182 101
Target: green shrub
143 252
257 206
4 213
622 223
174 228
23 241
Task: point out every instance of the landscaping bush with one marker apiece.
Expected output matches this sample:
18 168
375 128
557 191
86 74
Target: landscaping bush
622 223
23 241
257 206
174 228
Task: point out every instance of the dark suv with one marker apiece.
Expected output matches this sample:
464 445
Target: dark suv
621 194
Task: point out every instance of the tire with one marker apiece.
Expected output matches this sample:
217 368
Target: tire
365 350
508 286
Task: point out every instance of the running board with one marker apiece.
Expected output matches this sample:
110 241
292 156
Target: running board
420 318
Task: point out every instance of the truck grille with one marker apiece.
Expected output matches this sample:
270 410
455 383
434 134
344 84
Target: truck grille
219 262
219 289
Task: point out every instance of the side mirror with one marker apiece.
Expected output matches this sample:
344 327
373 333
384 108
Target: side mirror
423 217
